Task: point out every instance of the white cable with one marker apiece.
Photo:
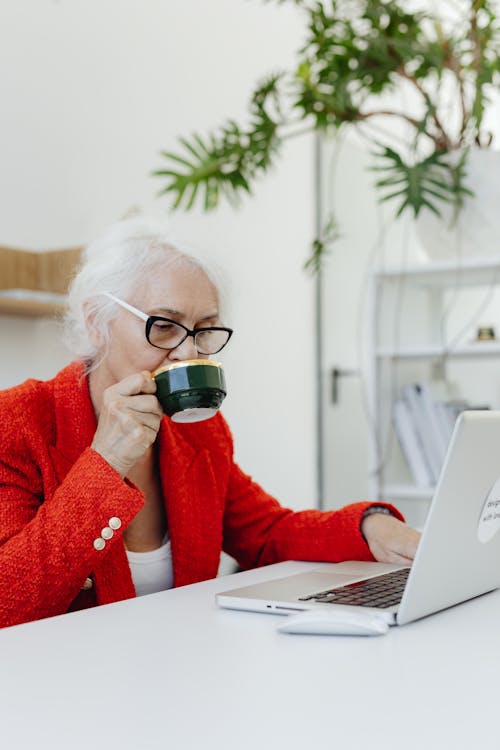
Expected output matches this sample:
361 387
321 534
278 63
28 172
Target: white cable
382 435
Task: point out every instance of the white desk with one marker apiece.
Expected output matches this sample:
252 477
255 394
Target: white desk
173 671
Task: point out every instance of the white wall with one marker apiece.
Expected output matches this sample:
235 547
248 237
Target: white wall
90 92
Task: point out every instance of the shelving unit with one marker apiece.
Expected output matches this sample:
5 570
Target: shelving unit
479 349
35 283
411 340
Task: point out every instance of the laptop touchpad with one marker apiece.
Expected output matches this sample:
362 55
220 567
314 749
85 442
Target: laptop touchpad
291 587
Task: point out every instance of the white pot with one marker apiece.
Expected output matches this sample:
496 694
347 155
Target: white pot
476 232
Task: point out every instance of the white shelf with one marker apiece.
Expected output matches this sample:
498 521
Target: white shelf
476 349
419 294
470 272
406 491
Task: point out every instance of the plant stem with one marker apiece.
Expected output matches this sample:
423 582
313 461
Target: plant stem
383 112
441 139
377 129
411 120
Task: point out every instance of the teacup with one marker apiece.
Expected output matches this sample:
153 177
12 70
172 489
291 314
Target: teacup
192 390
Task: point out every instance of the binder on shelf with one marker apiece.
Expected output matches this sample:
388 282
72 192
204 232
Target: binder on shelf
438 436
446 419
448 412
411 448
429 437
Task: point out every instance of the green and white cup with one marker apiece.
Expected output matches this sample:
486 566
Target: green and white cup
192 390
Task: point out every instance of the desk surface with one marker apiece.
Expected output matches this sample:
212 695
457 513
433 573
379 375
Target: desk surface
173 671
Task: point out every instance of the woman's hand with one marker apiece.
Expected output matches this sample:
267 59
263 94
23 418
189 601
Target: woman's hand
389 539
128 422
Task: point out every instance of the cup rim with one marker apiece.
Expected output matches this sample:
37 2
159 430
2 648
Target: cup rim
175 365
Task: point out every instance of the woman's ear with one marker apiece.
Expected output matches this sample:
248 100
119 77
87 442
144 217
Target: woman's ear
96 338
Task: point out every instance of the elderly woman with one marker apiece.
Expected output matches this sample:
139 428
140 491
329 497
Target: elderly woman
102 497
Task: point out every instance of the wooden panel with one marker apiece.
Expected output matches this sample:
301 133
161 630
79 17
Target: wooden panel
18 269
55 269
48 271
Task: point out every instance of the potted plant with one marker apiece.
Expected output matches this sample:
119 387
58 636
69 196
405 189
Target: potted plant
358 58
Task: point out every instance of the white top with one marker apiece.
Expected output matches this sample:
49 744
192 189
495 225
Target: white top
152 571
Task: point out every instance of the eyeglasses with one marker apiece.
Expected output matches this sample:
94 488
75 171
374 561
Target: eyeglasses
164 333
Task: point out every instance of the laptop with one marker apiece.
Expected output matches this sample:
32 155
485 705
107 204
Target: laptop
458 556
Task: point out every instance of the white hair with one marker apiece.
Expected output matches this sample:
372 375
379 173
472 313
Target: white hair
116 263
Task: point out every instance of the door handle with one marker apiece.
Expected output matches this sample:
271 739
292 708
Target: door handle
336 373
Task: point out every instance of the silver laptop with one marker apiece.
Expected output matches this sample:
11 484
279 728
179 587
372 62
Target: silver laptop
458 556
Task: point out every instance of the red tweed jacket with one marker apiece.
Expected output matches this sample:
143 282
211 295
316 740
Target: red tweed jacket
57 494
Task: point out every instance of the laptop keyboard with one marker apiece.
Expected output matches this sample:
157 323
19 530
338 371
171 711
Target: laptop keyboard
381 591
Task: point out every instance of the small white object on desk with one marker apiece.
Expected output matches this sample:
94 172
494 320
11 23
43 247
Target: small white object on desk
335 621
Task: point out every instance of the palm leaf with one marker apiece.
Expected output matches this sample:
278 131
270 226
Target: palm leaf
425 184
178 159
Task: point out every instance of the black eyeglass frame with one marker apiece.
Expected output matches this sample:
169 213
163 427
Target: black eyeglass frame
152 319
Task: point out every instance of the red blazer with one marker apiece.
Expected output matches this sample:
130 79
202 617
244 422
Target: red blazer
57 494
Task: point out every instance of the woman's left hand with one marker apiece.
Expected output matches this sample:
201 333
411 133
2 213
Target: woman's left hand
389 539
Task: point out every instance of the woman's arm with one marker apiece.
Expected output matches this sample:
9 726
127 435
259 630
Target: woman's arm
259 531
47 543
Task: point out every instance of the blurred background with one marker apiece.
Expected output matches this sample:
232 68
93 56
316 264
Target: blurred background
91 92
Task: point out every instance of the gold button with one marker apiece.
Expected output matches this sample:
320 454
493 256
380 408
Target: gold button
99 544
107 533
114 522
87 584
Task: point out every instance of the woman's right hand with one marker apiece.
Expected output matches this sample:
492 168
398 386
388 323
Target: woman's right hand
128 422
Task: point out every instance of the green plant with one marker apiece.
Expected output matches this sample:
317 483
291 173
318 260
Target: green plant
357 59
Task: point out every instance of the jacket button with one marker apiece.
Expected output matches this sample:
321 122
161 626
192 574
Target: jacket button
107 533
114 522
99 544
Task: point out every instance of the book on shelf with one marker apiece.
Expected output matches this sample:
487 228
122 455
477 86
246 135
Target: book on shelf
409 441
424 427
424 418
448 412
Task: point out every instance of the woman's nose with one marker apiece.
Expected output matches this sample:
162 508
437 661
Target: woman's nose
186 350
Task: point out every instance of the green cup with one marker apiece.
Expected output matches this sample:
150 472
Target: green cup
192 390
